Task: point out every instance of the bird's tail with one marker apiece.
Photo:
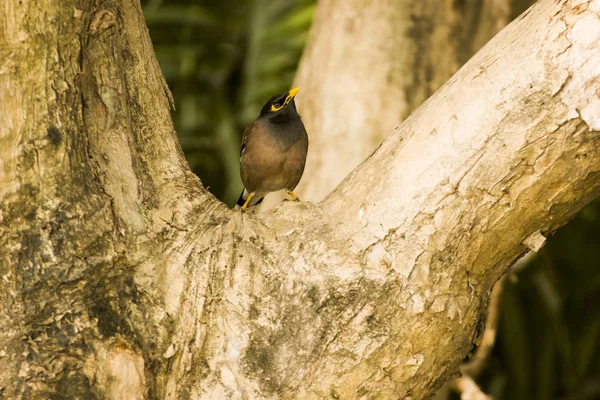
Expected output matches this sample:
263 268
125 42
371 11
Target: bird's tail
244 196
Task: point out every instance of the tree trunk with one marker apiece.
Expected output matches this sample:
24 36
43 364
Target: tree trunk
124 278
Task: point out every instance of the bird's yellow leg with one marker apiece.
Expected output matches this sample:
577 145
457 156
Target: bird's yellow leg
294 197
245 206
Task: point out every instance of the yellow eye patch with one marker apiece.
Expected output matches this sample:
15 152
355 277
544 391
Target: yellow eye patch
291 94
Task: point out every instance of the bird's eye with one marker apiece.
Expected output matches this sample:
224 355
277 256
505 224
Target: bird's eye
277 105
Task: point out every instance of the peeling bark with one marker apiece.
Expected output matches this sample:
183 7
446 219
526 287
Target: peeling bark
123 278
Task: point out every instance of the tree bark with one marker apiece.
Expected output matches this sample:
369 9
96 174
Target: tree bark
123 278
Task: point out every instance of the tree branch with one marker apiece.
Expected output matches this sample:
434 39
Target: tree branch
468 389
380 291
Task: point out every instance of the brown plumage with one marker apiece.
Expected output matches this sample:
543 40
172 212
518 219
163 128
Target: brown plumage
274 149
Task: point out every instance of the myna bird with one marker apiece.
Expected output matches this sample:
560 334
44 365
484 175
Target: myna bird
273 152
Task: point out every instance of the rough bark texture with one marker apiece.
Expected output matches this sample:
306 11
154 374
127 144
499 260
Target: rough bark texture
376 64
91 178
123 278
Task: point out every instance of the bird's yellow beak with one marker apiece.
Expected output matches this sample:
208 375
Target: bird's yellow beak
291 94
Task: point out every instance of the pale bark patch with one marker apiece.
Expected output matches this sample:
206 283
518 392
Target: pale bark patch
591 114
117 371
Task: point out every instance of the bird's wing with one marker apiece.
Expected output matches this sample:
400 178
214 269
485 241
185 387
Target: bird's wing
246 136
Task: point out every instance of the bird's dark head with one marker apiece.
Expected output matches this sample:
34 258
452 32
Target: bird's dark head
281 107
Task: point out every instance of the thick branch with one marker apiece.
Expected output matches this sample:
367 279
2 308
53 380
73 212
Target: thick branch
385 294
490 151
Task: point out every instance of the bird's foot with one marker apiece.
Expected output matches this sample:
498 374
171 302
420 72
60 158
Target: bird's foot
245 206
294 197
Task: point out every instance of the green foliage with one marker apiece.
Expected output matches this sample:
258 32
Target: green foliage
223 60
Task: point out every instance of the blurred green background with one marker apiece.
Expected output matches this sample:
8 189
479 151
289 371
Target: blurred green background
223 59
